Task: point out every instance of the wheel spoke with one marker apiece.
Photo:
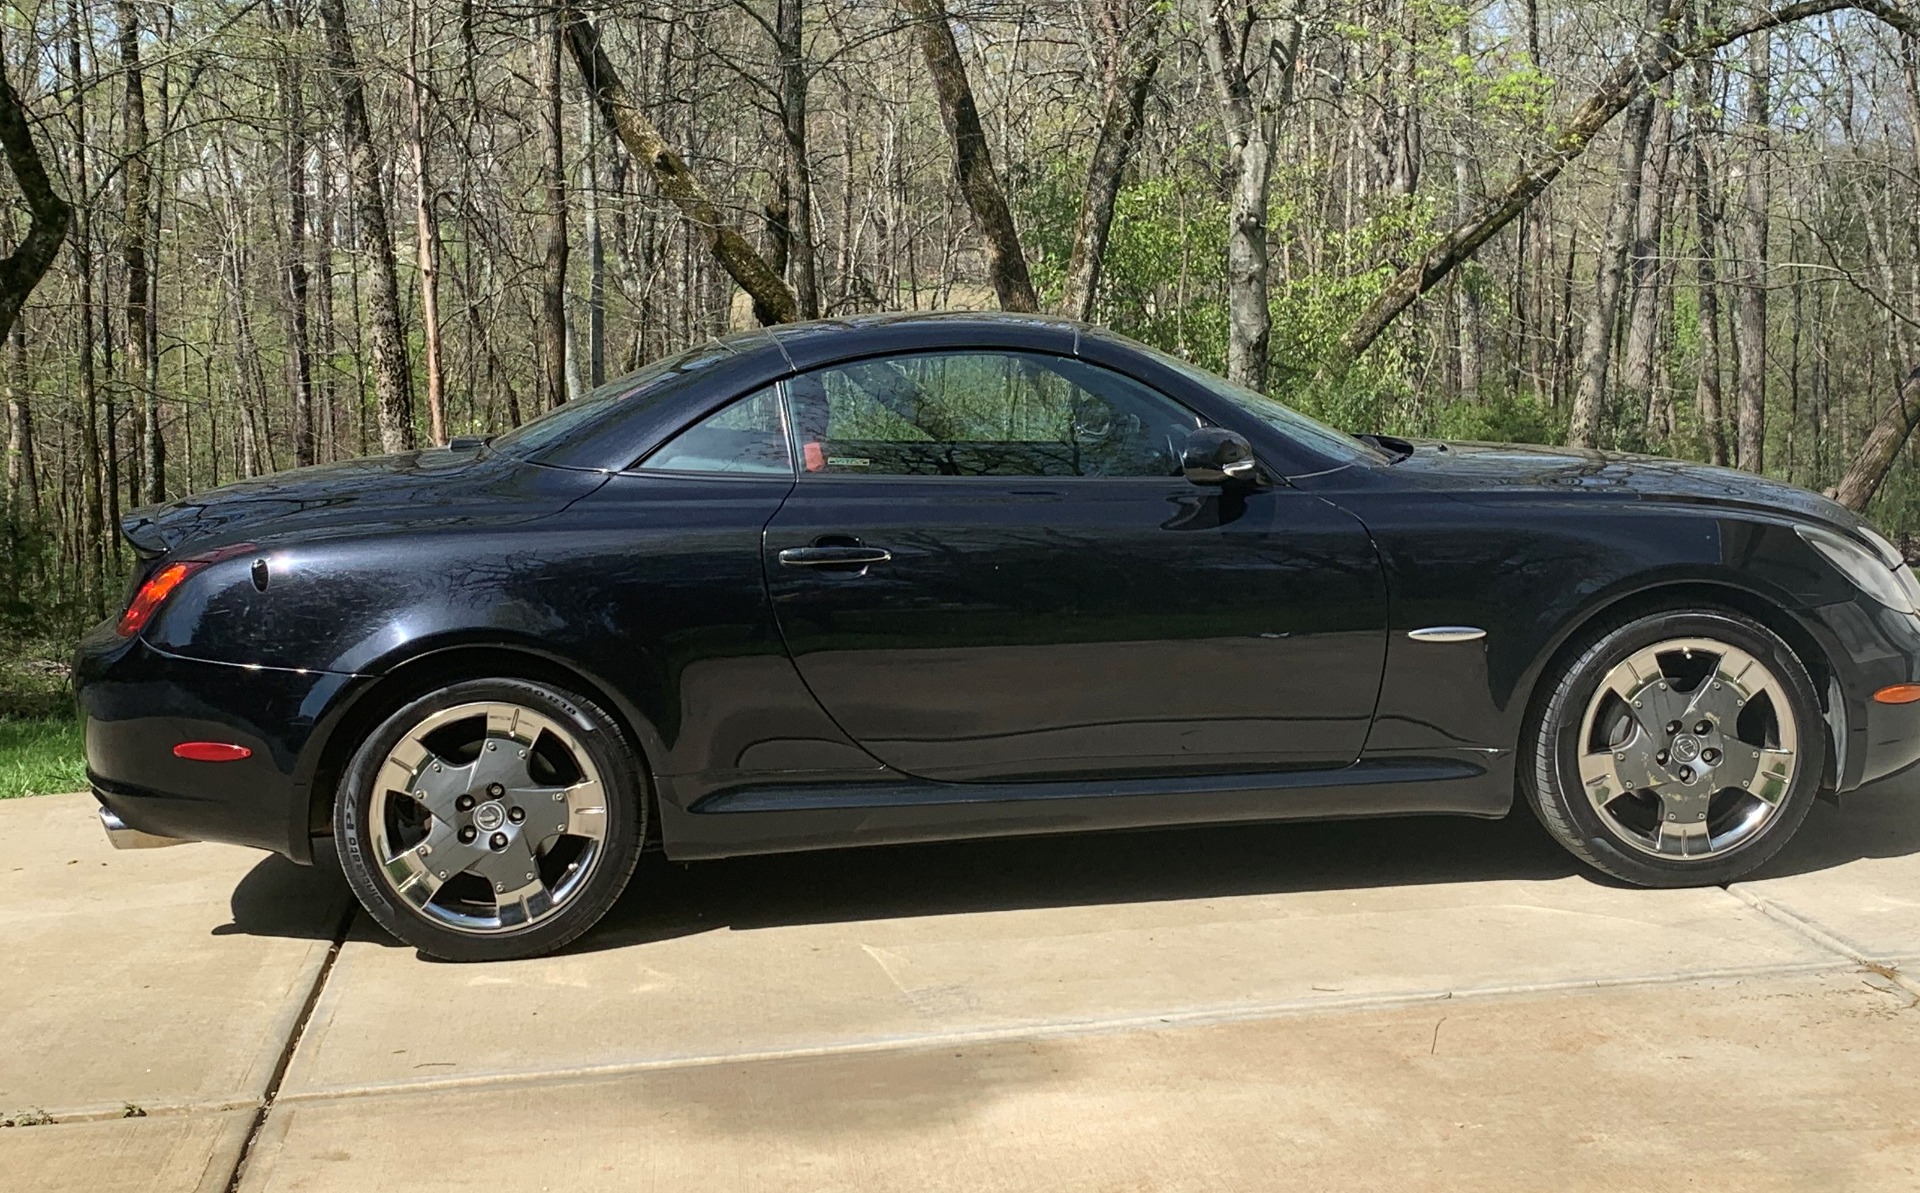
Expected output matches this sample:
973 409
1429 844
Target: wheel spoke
1762 771
509 869
1609 774
1676 839
575 809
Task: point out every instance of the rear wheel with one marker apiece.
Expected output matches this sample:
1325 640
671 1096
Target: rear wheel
492 819
1678 749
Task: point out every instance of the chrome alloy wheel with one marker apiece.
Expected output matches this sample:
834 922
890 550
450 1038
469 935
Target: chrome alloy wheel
1687 748
487 817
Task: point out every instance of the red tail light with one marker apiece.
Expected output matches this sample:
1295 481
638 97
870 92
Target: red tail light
155 590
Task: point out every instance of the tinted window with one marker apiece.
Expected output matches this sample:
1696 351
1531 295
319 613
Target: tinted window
745 437
657 382
984 414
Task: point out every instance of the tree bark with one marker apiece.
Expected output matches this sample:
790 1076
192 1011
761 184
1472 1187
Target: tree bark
1750 238
1469 312
1644 269
1875 458
1254 76
1652 60
392 382
23 484
553 216
426 228
973 158
801 255
1129 80
137 178
294 170
1596 338
1707 228
773 299
48 213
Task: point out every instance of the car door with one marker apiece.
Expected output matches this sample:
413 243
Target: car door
992 567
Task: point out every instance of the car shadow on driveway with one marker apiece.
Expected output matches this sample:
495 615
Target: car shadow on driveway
670 899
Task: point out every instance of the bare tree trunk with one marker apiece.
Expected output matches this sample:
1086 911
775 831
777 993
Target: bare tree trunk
1707 388
137 178
294 166
801 254
426 227
973 158
1750 235
1644 269
773 299
596 257
1651 61
95 568
1253 71
1129 79
23 487
391 380
1871 463
1596 339
49 214
553 218
1469 311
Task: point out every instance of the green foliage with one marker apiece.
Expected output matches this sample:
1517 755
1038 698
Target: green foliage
41 757
41 614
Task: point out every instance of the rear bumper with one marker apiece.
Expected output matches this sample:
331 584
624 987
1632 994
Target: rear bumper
138 703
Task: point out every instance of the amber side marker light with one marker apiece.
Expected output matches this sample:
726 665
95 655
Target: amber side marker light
211 751
1900 693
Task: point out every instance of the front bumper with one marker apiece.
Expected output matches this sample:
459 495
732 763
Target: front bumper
1870 647
138 703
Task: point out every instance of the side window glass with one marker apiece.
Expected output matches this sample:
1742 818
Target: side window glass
984 414
747 436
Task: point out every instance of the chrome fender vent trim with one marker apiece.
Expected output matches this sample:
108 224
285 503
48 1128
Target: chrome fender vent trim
1447 633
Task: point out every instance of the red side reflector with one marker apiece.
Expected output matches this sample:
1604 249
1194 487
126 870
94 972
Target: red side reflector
1900 693
211 751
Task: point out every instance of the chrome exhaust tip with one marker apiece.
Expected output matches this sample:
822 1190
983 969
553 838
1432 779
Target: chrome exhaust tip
120 836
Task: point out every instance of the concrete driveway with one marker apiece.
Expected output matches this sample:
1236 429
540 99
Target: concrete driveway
1392 1005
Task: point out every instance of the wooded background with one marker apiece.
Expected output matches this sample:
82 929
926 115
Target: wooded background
267 233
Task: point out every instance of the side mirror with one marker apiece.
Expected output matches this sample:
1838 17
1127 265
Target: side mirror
1217 456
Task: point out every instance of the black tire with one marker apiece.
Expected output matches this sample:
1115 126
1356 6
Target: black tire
1549 765
625 802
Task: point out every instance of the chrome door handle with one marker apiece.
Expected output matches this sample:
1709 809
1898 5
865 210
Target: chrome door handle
834 556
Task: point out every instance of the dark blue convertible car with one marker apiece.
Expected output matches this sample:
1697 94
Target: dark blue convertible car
914 577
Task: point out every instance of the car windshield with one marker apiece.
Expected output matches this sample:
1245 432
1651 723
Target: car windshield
1311 433
654 383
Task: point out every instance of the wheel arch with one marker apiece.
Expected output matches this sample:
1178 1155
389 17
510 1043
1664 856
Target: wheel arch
1693 594
438 664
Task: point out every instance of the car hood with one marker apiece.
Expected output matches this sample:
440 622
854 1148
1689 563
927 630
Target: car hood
420 489
1475 471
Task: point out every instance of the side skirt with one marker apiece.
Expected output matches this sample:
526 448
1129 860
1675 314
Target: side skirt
777 818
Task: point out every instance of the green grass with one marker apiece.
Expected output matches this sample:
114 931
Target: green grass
41 757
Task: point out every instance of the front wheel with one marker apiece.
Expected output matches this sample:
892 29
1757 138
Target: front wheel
492 819
1677 749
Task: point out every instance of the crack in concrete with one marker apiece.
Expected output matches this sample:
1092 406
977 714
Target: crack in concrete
293 1042
1831 941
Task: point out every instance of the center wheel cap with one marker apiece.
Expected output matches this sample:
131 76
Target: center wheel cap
1686 747
489 816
